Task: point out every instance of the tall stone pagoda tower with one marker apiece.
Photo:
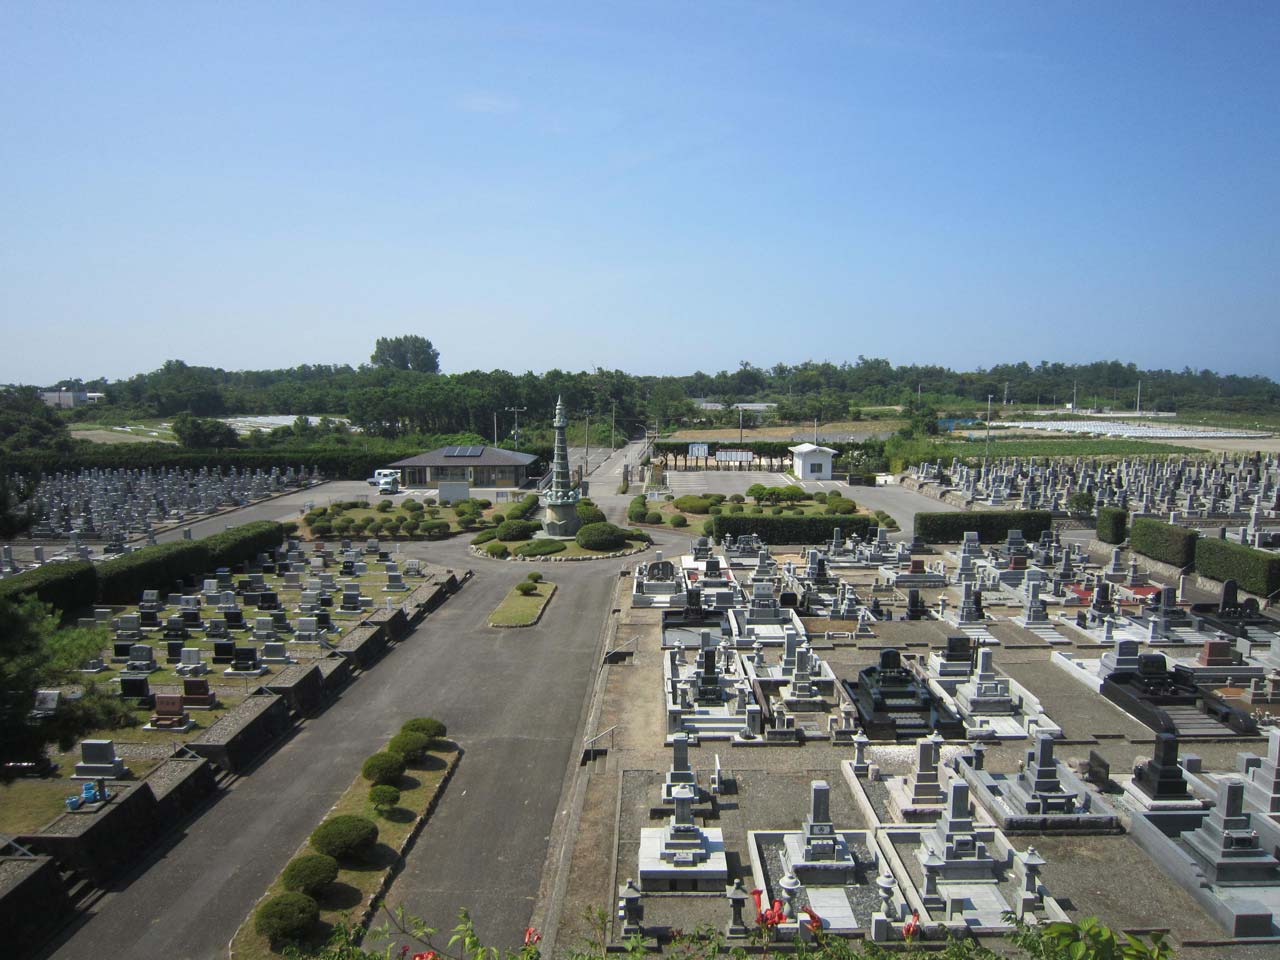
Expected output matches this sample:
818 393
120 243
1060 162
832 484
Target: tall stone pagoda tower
561 498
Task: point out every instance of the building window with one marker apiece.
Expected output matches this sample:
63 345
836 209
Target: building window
815 468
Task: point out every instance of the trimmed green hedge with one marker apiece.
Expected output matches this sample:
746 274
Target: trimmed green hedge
123 579
526 507
992 526
345 837
1256 571
637 509
601 536
589 512
243 543
1164 542
286 917
385 767
310 873
68 587
788 529
509 530
691 503
1113 524
542 547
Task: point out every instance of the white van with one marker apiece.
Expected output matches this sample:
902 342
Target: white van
389 485
379 476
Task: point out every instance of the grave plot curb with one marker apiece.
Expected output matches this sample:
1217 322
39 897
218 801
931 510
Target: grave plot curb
388 876
479 552
534 621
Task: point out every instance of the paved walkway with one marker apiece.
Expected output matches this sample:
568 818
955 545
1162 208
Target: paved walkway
512 698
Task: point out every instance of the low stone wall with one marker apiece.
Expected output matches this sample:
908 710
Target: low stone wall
301 685
101 843
391 619
243 732
363 645
180 785
33 902
335 673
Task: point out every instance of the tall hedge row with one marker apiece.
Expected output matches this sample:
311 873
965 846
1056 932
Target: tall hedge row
123 579
67 586
1112 525
243 543
71 587
991 525
1254 570
788 529
1164 542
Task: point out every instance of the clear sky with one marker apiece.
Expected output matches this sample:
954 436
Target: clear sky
656 187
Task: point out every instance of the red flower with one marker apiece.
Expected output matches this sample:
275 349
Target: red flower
531 936
427 955
912 926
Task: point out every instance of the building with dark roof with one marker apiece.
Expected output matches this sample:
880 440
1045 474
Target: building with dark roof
480 466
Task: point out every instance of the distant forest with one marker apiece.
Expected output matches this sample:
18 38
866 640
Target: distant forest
392 399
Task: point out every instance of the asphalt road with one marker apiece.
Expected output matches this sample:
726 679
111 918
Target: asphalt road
511 698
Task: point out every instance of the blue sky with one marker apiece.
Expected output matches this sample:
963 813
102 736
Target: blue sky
656 187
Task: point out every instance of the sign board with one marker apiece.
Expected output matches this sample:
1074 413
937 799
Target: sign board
735 456
698 449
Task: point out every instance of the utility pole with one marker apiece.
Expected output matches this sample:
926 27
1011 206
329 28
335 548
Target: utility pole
1139 396
613 423
1006 393
739 426
988 453
495 428
517 411
587 439
815 431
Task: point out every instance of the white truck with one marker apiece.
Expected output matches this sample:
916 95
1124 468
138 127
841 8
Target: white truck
387 481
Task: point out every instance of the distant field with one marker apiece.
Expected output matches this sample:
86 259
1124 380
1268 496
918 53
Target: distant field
149 431
859 429
1060 448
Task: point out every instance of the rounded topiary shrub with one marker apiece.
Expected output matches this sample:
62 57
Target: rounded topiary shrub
678 520
525 588
427 726
534 577
346 836
412 746
708 527
286 918
385 767
510 530
497 550
383 796
653 517
601 536
311 872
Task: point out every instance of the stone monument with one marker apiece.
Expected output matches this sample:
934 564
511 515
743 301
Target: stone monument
560 500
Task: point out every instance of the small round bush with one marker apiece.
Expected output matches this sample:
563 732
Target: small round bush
708 527
427 726
412 746
311 872
601 536
716 511
737 498
385 767
693 504
678 520
776 511
525 588
321 528
346 836
820 497
736 508
286 918
654 517
534 577
497 550
669 497
589 512
384 506
383 796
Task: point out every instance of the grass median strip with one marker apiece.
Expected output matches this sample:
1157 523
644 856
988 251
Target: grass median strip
361 881
522 609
